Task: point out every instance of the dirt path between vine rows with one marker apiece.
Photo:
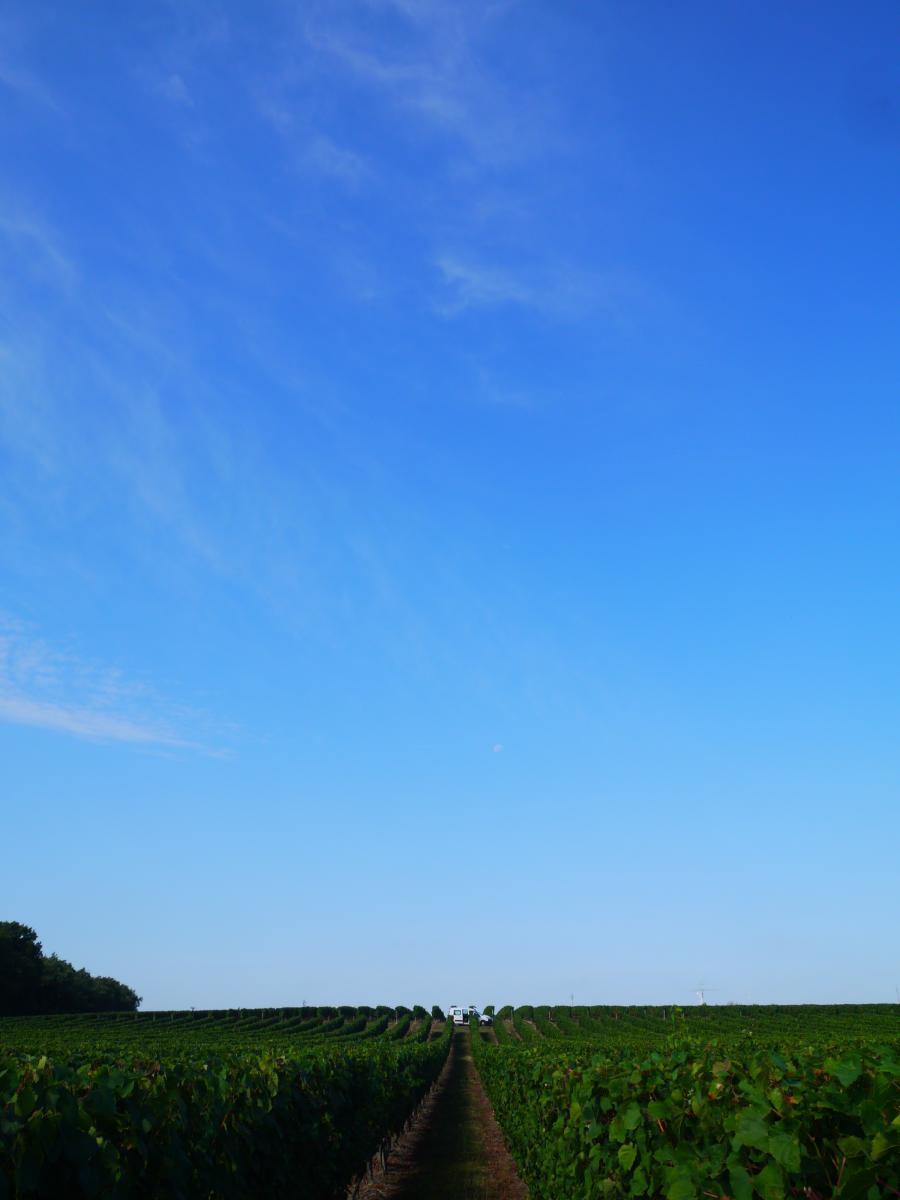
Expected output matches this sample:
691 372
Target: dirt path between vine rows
454 1150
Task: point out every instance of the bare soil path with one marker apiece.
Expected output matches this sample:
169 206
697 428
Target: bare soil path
455 1150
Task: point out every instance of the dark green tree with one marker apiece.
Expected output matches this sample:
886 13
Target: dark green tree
31 982
20 968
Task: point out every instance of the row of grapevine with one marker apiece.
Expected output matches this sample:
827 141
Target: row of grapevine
643 1027
221 1032
685 1118
231 1125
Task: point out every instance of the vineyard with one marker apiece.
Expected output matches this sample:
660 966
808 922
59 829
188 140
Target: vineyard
767 1102
277 1102
744 1102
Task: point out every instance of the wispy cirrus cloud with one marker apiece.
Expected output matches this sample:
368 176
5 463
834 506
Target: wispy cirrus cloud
25 85
326 157
46 688
429 69
17 76
557 290
436 72
175 90
86 723
471 284
35 246
311 149
425 103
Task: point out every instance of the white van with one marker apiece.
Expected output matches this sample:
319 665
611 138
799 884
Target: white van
458 1015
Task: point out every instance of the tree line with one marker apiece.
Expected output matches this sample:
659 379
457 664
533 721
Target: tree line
33 982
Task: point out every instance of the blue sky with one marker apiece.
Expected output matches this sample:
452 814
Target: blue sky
449 498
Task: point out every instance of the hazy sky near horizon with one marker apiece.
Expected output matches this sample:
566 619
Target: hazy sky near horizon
449 498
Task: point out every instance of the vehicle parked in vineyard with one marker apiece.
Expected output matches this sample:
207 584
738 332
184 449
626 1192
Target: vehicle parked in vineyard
461 1016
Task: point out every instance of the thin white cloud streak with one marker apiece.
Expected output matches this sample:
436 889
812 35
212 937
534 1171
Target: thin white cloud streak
216 494
175 90
429 61
26 85
85 723
326 157
561 291
440 80
292 540
47 689
122 353
36 247
15 75
472 285
26 427
310 149
144 443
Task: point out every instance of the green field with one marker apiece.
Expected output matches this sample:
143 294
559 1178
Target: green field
770 1102
274 1102
711 1101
